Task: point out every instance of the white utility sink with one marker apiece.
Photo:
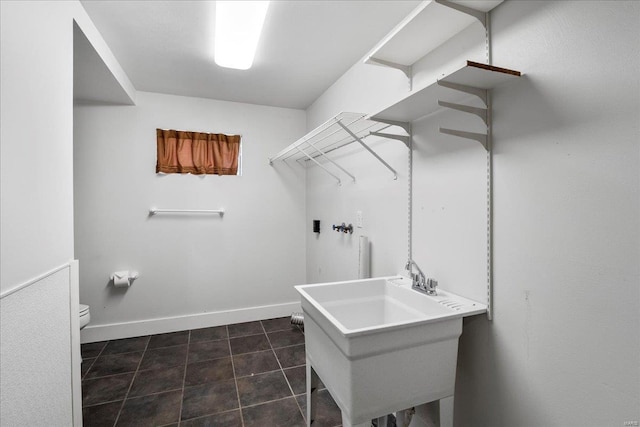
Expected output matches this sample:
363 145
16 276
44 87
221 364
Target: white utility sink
380 346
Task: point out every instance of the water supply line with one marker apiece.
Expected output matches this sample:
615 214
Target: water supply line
297 319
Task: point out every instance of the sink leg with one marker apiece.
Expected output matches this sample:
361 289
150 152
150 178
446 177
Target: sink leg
313 381
446 412
347 423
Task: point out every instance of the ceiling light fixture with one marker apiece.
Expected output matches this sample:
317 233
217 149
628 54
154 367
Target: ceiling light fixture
238 28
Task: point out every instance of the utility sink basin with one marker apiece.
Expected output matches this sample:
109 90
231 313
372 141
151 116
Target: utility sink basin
380 346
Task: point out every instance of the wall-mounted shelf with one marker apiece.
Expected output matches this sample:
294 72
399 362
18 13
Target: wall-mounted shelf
428 26
337 132
425 101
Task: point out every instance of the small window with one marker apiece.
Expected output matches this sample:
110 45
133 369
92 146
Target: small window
197 153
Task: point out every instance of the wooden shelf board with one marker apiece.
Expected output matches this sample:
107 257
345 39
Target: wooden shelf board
422 102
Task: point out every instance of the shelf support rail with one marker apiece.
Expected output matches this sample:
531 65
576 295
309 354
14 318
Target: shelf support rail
406 69
319 164
405 139
480 112
480 93
404 125
480 16
483 113
373 153
480 137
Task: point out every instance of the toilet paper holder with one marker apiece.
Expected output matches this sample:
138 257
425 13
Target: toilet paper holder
123 279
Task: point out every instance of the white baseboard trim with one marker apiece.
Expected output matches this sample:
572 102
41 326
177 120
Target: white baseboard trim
112 331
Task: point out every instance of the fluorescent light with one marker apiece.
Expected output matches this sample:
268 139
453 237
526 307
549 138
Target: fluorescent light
238 28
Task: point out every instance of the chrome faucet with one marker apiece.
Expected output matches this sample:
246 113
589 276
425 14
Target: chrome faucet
419 282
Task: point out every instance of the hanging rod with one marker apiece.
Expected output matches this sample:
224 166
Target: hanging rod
154 211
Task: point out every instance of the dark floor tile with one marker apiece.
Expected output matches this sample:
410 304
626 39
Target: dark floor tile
208 350
168 340
209 371
106 389
165 357
101 415
116 364
154 410
126 345
262 388
291 356
255 363
286 338
247 328
279 324
209 399
281 413
328 414
209 334
226 419
92 349
249 344
86 364
157 380
297 378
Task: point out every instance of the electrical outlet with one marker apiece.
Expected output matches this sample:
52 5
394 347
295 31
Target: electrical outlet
359 219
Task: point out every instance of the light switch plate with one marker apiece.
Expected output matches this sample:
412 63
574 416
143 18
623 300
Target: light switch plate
359 219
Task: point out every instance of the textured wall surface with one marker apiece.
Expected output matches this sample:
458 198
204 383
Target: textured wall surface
564 346
35 349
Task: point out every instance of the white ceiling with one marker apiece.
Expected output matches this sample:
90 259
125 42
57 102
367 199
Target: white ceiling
166 46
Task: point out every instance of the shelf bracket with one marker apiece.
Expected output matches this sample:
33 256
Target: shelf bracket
480 137
323 154
405 139
319 164
480 93
406 69
480 112
404 125
480 16
373 153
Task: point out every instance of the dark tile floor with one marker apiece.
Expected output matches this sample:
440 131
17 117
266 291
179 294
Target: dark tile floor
242 375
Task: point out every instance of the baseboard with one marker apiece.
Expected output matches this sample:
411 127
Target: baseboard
94 333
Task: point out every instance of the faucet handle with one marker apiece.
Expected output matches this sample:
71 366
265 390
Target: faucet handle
431 286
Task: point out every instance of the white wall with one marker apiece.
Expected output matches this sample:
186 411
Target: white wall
35 349
563 348
36 169
384 202
191 267
36 211
381 199
565 343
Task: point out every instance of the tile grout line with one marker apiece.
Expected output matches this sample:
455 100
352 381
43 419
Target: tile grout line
94 360
282 370
235 379
184 378
182 389
132 381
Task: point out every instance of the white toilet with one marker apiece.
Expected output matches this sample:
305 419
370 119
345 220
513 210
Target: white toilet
85 316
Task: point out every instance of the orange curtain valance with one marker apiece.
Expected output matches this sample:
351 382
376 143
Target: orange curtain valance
197 152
